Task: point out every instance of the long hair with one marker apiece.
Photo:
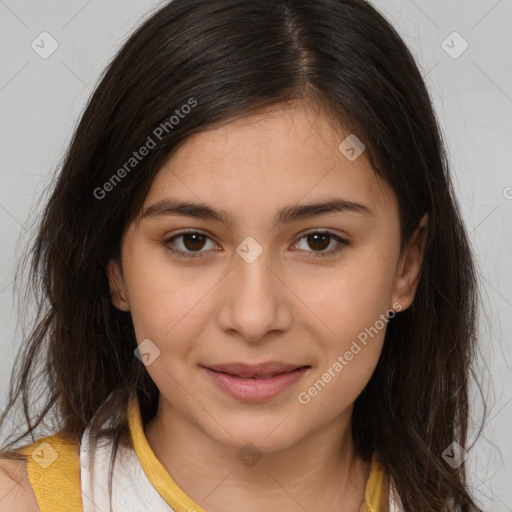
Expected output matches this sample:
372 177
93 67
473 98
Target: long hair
225 59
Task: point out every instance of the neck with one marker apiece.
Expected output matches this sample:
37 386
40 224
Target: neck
320 472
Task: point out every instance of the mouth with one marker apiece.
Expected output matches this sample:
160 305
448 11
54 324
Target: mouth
262 370
255 382
258 377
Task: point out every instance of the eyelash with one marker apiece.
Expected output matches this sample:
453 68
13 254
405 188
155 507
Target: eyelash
189 255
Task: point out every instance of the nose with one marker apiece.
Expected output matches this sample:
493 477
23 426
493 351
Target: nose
255 298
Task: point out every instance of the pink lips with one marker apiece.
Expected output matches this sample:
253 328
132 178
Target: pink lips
254 382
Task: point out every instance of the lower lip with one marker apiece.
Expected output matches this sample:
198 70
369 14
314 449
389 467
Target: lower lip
255 390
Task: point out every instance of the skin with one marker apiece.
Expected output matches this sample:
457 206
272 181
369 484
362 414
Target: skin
287 305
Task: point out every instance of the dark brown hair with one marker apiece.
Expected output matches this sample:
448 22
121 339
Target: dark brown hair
234 57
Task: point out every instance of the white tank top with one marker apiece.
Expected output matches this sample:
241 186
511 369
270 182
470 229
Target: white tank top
131 489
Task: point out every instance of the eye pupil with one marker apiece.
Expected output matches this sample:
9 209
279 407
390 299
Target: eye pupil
315 238
194 237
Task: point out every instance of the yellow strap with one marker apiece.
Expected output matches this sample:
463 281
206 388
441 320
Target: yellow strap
156 473
53 467
376 492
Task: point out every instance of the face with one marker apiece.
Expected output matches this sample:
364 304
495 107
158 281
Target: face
303 298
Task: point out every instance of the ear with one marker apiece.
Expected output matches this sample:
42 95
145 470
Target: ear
408 272
116 283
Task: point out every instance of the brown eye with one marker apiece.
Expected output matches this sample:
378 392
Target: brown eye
192 242
319 241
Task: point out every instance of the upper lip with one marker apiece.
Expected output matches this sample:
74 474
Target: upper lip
254 370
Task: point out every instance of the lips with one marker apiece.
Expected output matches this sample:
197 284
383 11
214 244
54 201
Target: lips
255 383
258 371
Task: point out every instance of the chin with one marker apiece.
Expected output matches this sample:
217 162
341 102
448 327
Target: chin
265 436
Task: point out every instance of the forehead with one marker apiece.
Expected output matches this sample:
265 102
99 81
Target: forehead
263 160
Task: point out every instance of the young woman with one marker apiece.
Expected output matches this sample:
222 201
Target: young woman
255 288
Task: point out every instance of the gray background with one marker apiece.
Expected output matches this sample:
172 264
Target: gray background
41 99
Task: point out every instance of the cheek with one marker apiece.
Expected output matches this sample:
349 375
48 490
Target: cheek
355 310
348 358
171 305
349 298
163 300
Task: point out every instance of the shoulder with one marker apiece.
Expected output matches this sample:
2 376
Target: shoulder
52 463
15 490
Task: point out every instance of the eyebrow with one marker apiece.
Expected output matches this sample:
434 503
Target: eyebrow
288 214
